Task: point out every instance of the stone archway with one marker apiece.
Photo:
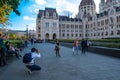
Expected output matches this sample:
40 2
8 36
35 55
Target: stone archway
47 36
54 36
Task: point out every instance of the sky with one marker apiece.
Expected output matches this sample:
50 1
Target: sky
29 11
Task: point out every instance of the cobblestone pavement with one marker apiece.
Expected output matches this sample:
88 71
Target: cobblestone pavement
67 67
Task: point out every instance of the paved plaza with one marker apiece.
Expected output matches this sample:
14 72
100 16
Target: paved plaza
67 67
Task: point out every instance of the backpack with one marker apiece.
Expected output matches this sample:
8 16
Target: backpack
27 58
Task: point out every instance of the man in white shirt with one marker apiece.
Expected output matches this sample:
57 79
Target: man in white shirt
31 65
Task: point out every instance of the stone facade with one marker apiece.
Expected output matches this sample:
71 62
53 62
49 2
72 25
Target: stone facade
47 24
87 24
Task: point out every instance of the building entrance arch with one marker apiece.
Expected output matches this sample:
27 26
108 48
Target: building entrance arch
47 36
54 36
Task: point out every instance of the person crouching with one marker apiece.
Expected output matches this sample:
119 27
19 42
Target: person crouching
31 65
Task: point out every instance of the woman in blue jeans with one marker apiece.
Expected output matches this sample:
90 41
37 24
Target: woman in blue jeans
75 47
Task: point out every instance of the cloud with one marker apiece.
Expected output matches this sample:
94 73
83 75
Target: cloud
65 5
40 2
62 7
32 26
97 5
34 9
28 18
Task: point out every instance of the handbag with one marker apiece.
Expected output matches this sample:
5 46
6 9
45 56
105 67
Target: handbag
73 48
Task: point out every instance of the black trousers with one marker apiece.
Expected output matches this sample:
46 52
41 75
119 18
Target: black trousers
3 56
83 49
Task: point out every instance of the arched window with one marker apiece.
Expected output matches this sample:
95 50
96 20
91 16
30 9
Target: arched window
106 33
102 34
80 35
76 35
72 35
47 14
118 32
111 32
67 35
39 35
54 14
63 35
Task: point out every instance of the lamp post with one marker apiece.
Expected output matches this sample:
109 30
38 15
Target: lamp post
7 33
27 33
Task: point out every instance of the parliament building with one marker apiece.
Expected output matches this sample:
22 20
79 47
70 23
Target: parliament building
87 24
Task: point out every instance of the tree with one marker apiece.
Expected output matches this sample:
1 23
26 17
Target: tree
6 7
24 37
12 36
4 13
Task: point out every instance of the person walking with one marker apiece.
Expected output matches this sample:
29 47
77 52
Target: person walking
75 47
83 46
57 49
31 65
32 41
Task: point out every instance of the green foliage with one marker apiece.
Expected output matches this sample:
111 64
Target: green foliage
6 7
24 37
110 43
11 3
12 36
4 13
66 40
14 42
113 45
117 40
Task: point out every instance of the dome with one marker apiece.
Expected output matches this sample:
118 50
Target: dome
87 2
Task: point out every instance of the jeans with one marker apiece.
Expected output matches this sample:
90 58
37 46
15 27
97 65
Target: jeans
76 49
33 67
13 52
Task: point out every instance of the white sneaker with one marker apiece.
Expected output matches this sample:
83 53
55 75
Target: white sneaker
29 71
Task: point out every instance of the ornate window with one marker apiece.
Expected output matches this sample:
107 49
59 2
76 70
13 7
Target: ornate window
54 26
111 11
80 35
76 35
54 14
102 34
67 35
106 33
72 35
118 32
47 14
47 26
63 35
111 32
39 35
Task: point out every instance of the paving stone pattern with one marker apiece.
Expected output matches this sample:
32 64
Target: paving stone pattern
68 67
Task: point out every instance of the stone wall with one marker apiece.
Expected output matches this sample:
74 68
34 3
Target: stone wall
98 50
